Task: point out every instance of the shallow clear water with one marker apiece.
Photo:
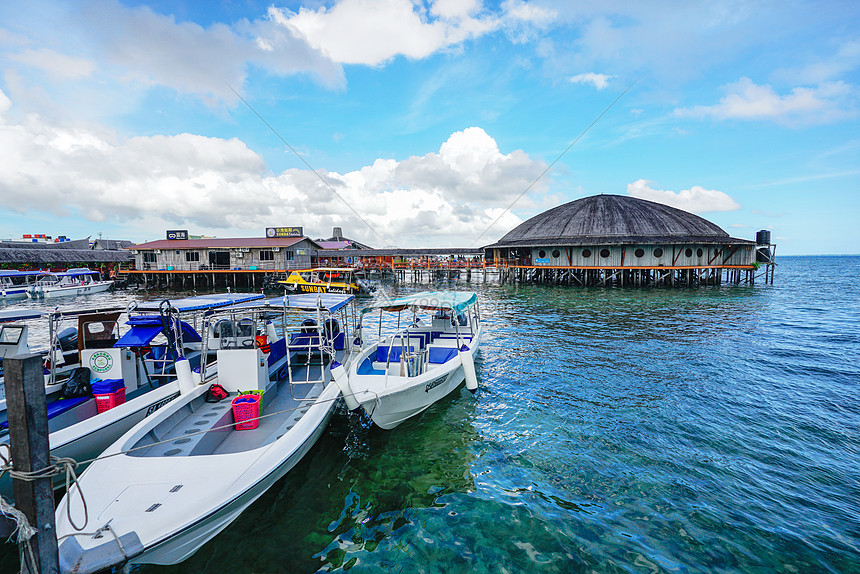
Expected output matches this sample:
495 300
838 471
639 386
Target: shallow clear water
615 430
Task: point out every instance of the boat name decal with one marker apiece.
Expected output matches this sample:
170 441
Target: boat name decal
434 384
154 407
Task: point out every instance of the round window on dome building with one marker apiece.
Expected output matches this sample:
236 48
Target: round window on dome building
688 252
586 253
541 253
604 253
556 253
658 253
699 252
639 252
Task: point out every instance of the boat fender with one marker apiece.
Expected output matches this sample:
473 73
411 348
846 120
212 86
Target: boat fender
184 376
469 369
339 374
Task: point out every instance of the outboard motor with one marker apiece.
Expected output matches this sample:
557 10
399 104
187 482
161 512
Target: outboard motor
331 327
309 326
68 339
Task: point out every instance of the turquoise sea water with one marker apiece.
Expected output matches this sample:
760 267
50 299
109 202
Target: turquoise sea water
614 430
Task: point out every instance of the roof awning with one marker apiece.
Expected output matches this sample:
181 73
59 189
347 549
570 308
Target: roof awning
456 301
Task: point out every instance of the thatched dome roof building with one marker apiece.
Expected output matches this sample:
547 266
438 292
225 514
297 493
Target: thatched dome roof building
613 219
616 234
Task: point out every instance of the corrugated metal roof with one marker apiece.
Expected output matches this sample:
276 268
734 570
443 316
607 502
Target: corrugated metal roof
611 219
33 256
225 243
419 252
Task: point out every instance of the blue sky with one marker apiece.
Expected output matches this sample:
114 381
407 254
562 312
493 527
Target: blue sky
425 121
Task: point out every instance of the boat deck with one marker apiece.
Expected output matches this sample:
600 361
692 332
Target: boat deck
189 431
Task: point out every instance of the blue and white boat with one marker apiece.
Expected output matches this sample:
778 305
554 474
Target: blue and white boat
16 284
140 362
78 281
182 475
401 375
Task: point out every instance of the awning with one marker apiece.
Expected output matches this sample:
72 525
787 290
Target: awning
201 302
456 301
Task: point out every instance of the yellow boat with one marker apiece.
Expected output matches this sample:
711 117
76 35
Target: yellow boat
323 280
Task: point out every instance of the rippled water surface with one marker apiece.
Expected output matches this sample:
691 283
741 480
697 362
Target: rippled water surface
615 430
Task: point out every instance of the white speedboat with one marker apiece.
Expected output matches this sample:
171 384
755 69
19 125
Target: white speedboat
135 372
401 375
79 281
16 284
182 475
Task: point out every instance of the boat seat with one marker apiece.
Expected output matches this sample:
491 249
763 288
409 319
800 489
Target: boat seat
441 355
452 343
366 368
58 407
382 355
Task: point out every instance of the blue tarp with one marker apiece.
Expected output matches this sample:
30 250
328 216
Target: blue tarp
330 302
145 328
201 302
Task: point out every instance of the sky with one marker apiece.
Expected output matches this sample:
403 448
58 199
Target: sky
413 123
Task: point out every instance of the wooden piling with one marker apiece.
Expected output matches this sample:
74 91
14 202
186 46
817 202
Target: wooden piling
28 438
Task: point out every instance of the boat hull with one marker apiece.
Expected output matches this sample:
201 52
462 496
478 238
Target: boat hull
182 545
390 409
89 438
71 290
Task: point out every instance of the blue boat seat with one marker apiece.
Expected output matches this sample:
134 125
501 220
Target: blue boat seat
382 355
440 355
366 368
56 408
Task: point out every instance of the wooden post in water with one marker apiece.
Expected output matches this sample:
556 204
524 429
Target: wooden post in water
28 438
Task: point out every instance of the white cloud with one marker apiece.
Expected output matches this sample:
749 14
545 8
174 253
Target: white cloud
745 100
56 65
697 199
599 81
372 32
221 187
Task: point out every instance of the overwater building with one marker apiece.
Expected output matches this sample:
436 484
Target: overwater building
622 240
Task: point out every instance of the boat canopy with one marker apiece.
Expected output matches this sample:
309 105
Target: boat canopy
330 302
456 301
145 328
75 272
201 302
16 273
8 315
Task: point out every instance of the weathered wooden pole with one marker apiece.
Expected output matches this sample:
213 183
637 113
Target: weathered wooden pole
28 438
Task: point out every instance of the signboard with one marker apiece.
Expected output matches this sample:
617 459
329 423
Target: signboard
284 232
177 234
542 261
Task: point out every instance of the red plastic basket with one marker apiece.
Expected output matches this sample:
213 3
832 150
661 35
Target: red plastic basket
108 401
246 411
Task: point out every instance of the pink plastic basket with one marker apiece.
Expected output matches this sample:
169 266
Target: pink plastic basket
246 411
108 401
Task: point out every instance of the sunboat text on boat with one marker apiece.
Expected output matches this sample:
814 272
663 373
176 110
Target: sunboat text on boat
110 382
183 474
326 280
79 281
401 375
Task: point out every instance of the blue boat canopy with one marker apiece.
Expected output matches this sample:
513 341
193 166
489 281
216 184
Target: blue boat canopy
145 328
8 315
330 302
201 302
76 272
456 301
16 273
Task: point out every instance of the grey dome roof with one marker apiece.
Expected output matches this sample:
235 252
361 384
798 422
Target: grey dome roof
613 219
